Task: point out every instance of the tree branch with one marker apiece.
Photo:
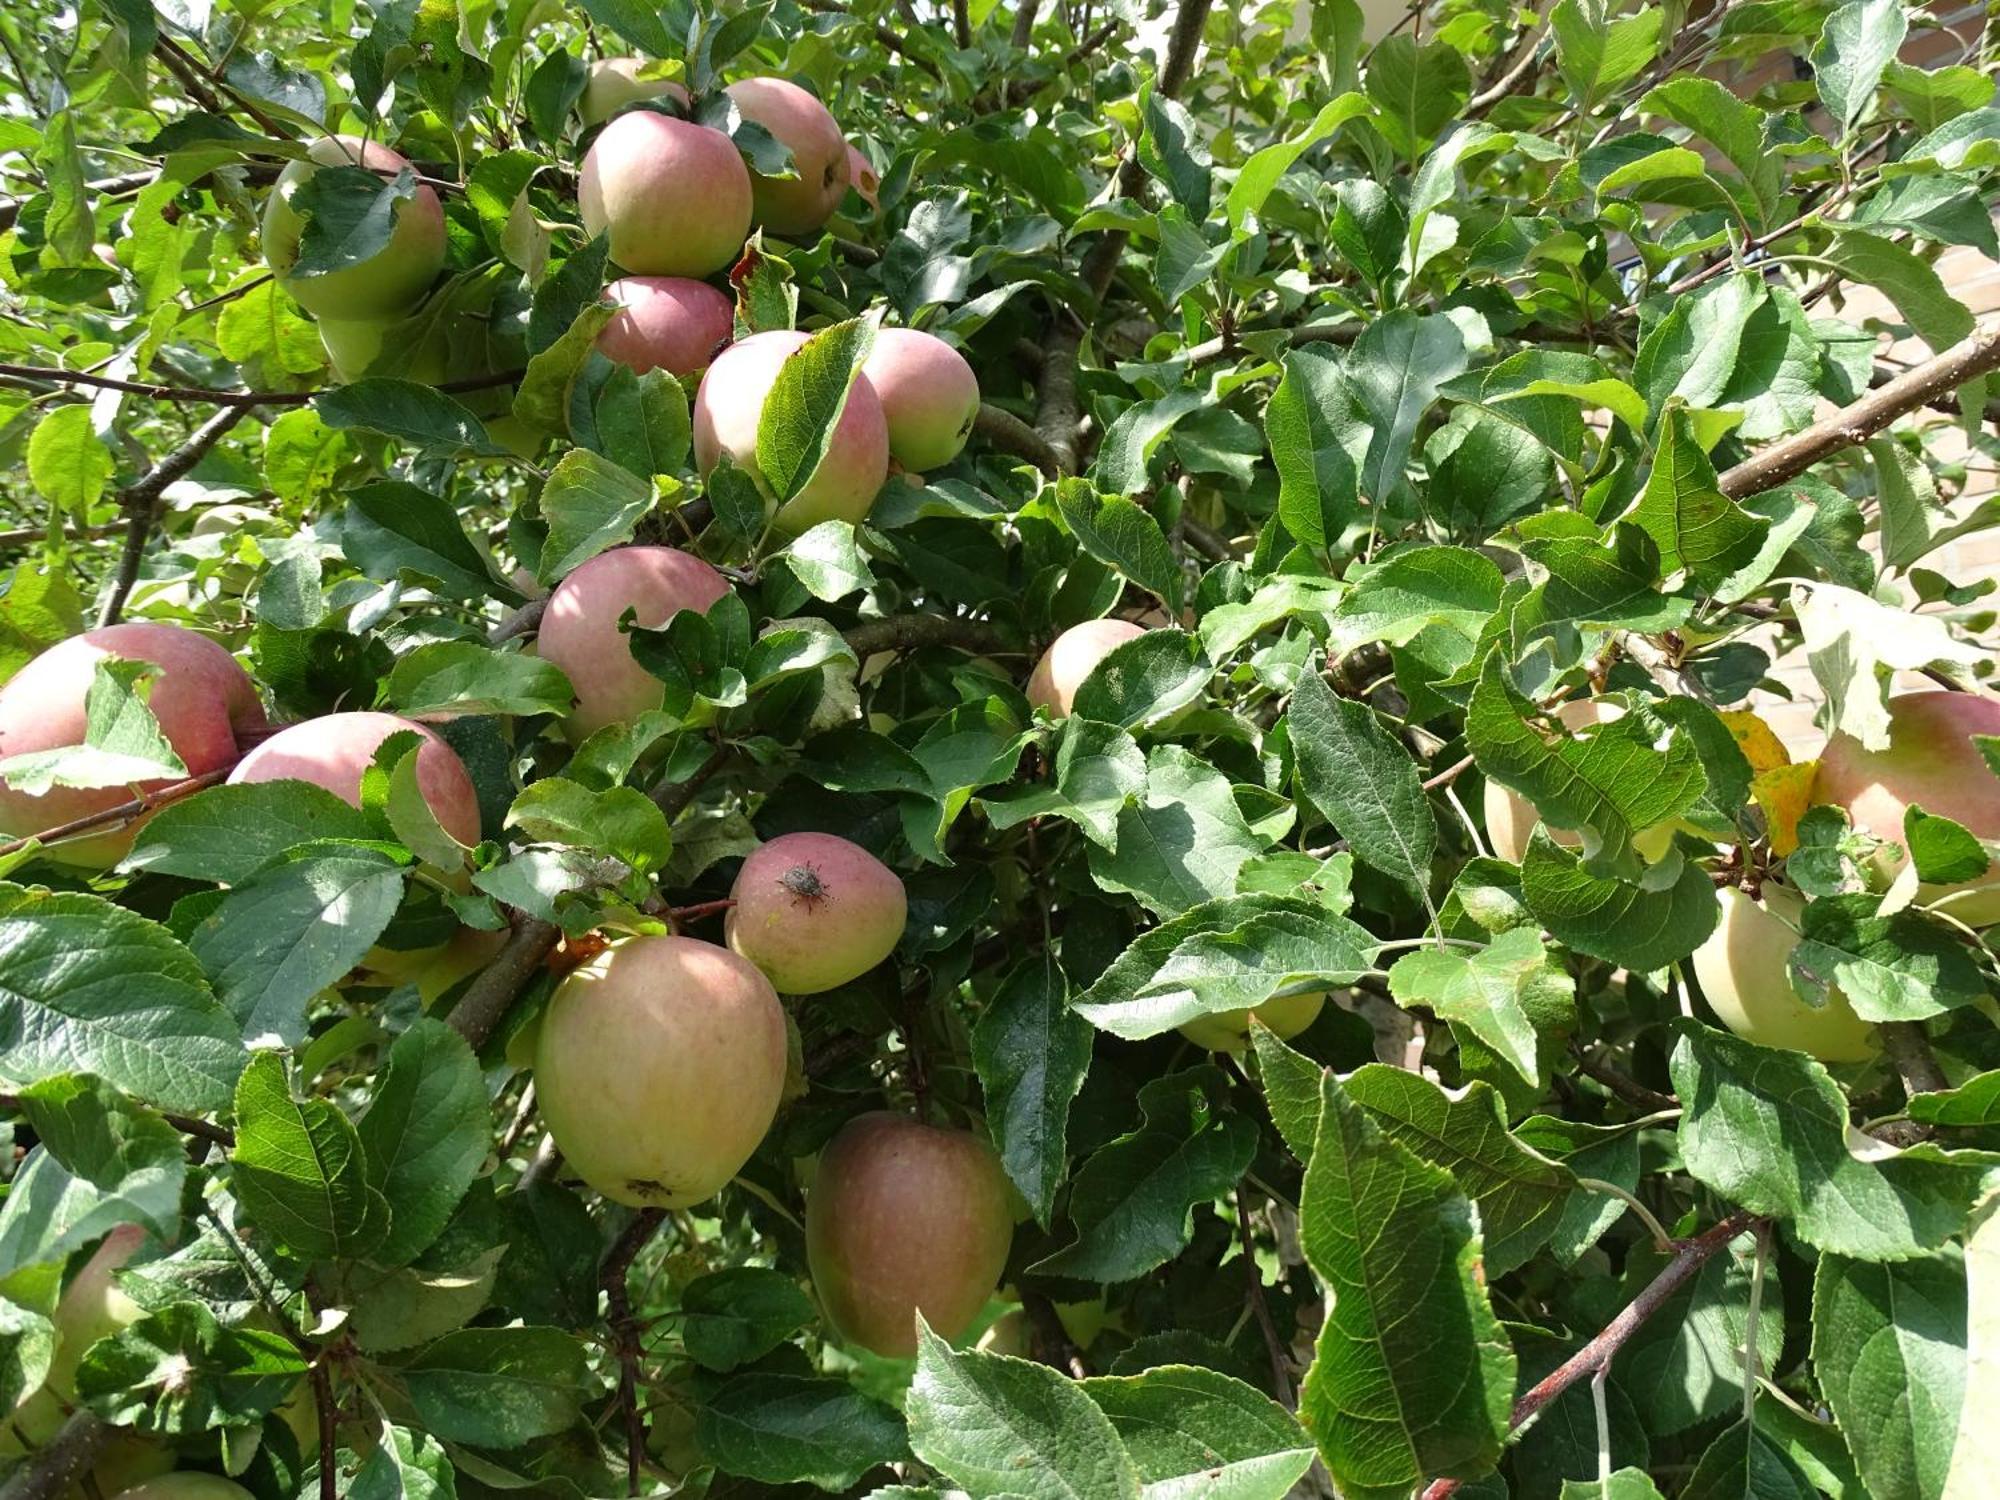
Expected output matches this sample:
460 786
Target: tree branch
1281 1376
141 503
625 1333
1007 432
910 632
50 375
674 798
1852 425
1600 1351
883 35
61 1463
124 812
1024 22
961 24
524 621
485 1003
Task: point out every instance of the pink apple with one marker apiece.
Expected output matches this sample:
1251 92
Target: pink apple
666 323
674 196
802 204
334 750
929 395
1073 657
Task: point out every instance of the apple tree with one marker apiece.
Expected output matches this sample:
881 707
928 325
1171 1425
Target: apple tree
1000 749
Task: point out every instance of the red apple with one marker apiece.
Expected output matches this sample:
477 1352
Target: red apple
666 323
334 751
802 204
929 395
814 911
863 178
674 196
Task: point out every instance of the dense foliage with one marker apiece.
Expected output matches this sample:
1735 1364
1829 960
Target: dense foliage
1456 414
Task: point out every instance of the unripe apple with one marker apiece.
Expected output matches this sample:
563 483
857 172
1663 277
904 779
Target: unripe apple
1073 656
730 404
929 396
863 178
659 1068
91 1308
1743 976
124 1461
674 196
1229 1030
1009 1334
186 1485
814 911
1932 763
795 205
1510 819
335 750
905 1217
615 83
580 634
666 323
390 281
201 697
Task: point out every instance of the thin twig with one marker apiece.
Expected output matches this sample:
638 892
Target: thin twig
1972 357
1626 1088
524 621
1449 774
61 1463
124 812
51 375
141 503
625 1333
883 35
1260 1307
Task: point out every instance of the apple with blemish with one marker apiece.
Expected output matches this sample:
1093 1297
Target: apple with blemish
673 196
814 911
1071 658
929 396
659 1067
863 178
580 627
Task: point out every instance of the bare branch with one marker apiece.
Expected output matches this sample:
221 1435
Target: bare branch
625 1333
485 1004
1024 22
51 375
883 35
141 503
524 621
910 632
1852 425
61 1463
1007 432
1281 1375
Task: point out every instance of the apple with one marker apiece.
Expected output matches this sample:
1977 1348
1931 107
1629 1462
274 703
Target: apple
186 1484
1073 656
863 178
201 697
1009 1334
659 1068
1932 763
929 396
333 751
666 323
730 404
1510 819
1743 976
674 196
802 204
1229 1030
580 634
616 82
814 911
906 1217
390 281
91 1308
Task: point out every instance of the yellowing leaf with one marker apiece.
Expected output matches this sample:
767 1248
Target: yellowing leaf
1763 749
1784 793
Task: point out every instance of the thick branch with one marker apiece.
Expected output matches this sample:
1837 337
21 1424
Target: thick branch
1855 424
1024 22
1598 1353
524 621
1007 432
124 812
61 1463
1909 1052
910 632
1885 371
961 23
485 1004
141 503
625 1333
1057 412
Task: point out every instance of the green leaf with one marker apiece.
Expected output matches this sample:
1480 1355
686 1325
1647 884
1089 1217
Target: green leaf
179 1373
1974 1102
1743 1464
1494 993
734 1316
498 1387
1696 526
1365 782
1005 1427
1418 88
1123 537
228 833
1133 1201
1265 168
1120 468
122 744
1620 1484
425 1134
590 504
349 214
1099 768
1144 680
805 403
404 1465
1738 1096
828 561
1907 280
1416 588
391 529
792 1429
1198 1432
1031 1052
86 986
1860 39
1596 52
1943 851
276 941
642 422
1641 926
1393 373
1412 1377
1889 1353
68 463
1181 842
1171 148
1316 438
407 410
135 1161
1685 1367
543 398
299 1169
1900 967
465 677
622 821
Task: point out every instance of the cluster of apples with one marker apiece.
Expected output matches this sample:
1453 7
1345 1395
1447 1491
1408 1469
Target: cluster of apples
1932 761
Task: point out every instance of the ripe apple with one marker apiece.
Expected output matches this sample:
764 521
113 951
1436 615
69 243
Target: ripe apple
1932 763
906 1217
333 751
201 697
580 634
929 396
1229 1030
1510 819
730 404
674 196
1743 976
863 178
666 323
814 911
1073 656
186 1484
615 83
388 282
659 1068
802 204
